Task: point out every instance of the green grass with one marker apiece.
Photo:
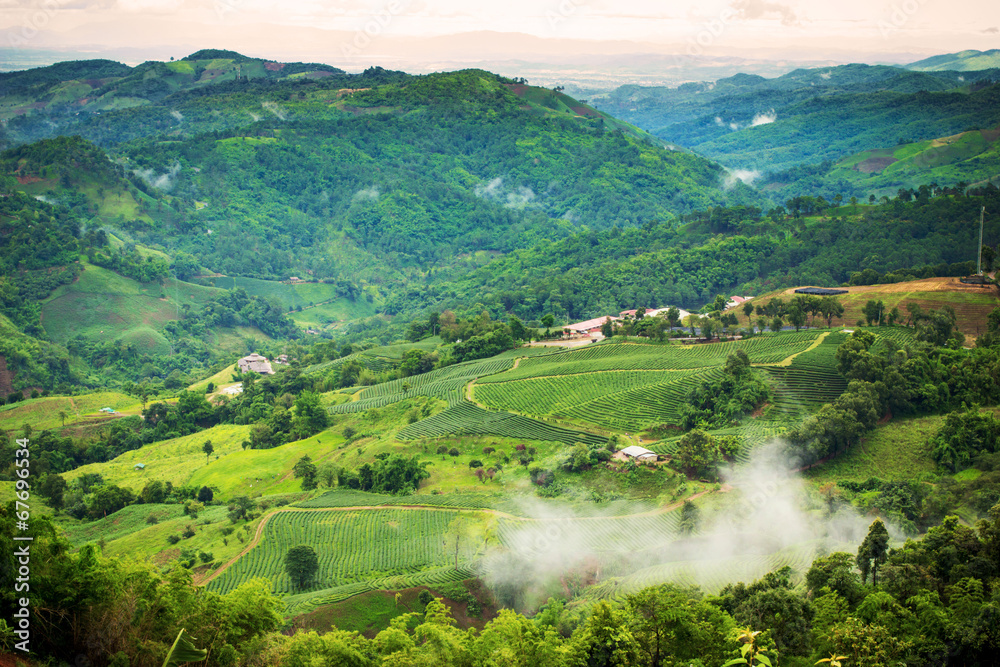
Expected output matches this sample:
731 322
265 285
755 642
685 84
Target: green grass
319 302
43 413
177 461
895 451
103 306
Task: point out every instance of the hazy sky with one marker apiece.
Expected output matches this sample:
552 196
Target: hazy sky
721 27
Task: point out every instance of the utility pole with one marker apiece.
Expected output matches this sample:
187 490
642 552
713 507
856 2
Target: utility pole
979 255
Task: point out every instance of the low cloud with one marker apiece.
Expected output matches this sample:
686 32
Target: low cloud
991 31
495 190
275 109
177 114
825 75
762 9
768 519
370 194
764 118
742 175
164 181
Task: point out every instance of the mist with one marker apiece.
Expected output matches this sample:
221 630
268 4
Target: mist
164 181
766 519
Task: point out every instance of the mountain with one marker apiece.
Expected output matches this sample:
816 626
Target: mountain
971 157
963 61
804 117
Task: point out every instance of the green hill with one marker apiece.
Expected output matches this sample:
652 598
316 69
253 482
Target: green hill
807 116
963 61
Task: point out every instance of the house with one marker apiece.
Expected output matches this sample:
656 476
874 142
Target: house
282 359
588 327
139 466
638 453
737 301
256 363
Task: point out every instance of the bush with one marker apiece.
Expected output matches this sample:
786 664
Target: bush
152 520
453 452
188 532
173 539
442 450
475 463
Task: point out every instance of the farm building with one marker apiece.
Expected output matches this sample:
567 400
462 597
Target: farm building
588 327
256 363
737 301
638 453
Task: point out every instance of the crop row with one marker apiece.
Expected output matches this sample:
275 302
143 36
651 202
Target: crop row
466 418
555 394
351 546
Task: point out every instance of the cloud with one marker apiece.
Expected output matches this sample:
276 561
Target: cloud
734 126
177 114
275 109
991 31
762 9
491 189
825 75
764 118
164 181
745 175
370 193
768 515
719 121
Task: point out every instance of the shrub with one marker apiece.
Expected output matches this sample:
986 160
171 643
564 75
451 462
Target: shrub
475 463
173 539
188 532
152 520
453 452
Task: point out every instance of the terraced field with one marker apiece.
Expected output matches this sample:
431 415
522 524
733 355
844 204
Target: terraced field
353 547
630 387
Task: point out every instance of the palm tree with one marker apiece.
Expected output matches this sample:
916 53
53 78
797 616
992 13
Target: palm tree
62 417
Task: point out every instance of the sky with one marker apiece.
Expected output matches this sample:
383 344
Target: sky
425 30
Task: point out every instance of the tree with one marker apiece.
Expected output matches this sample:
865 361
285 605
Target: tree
690 516
310 416
62 417
205 495
873 551
306 470
748 311
301 565
697 453
776 324
708 327
797 318
873 312
207 448
607 328
673 316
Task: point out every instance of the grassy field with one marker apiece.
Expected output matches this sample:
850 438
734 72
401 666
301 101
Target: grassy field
319 302
102 305
43 413
972 304
897 450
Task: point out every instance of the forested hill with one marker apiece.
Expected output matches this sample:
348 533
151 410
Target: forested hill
811 115
367 176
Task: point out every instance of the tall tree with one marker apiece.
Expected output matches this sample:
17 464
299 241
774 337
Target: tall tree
873 551
301 565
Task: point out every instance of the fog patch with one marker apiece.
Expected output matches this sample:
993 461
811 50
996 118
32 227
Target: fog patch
177 115
825 75
275 109
164 181
764 118
495 190
747 176
769 519
368 194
